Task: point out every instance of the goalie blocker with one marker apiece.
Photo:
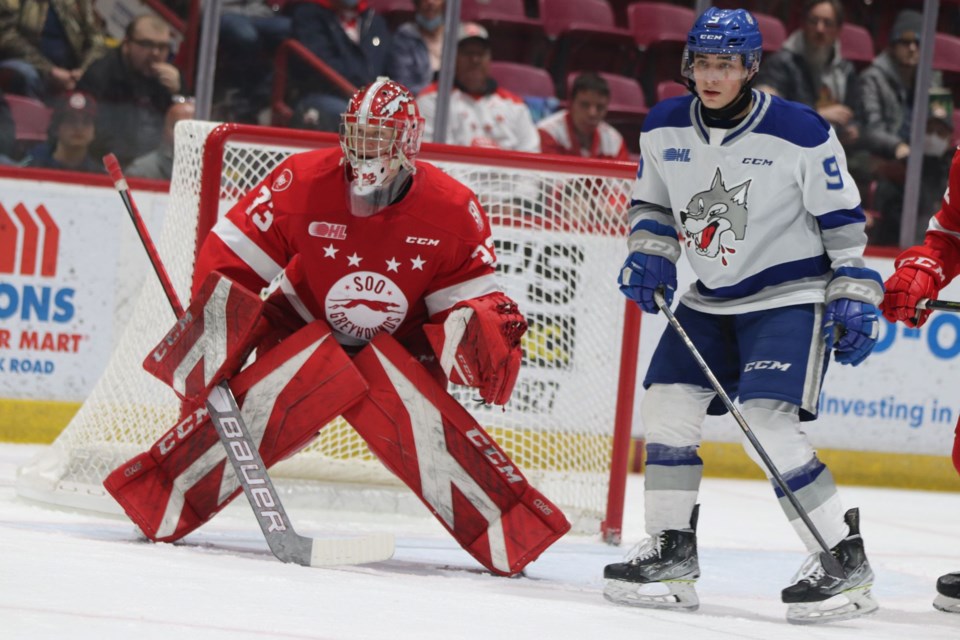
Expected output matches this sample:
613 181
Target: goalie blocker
303 381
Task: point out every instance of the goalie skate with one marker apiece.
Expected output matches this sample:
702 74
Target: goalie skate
817 596
659 574
948 593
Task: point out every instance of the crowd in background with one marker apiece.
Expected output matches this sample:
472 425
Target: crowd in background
103 95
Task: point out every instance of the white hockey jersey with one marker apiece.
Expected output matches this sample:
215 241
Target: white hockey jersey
766 210
496 119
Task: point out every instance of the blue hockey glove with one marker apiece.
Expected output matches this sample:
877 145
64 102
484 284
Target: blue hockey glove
851 324
642 274
851 327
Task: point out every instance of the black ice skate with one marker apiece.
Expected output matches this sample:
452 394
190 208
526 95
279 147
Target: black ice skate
948 593
818 596
660 572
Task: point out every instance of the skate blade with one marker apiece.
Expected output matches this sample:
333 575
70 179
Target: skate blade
846 605
669 594
946 603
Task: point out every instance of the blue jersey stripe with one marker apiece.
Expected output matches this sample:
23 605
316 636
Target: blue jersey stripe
841 217
777 274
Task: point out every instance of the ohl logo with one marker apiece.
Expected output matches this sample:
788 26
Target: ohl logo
29 246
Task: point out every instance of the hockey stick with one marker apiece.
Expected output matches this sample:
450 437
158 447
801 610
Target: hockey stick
284 542
938 305
830 564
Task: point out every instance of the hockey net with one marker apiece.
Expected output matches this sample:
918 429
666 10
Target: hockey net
558 228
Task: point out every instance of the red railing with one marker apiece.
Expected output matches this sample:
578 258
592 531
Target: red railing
281 111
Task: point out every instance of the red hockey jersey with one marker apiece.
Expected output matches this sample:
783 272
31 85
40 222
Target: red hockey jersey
942 240
391 272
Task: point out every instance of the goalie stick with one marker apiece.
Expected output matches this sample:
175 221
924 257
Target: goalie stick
284 542
830 563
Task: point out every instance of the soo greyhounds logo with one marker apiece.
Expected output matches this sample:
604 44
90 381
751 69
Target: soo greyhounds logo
29 241
362 304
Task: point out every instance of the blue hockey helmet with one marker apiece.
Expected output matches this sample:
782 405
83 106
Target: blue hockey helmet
724 32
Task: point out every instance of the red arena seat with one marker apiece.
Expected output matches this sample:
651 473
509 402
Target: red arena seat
856 44
523 79
30 118
584 36
773 31
513 35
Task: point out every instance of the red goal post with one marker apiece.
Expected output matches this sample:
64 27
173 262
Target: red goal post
559 226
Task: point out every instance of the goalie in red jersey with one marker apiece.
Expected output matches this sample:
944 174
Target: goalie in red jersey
922 271
377 280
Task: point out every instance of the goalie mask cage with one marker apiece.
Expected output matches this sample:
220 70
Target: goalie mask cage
558 225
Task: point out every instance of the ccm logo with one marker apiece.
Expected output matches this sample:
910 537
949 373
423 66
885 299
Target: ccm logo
430 242
767 364
132 469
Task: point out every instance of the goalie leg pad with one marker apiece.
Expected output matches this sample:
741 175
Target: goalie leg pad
285 398
423 435
211 341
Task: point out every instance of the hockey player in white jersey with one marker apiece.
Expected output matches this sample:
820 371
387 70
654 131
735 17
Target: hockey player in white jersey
758 190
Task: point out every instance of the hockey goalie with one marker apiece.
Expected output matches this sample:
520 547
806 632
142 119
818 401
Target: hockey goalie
353 281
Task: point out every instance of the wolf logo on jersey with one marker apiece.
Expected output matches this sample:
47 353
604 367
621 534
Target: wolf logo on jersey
716 217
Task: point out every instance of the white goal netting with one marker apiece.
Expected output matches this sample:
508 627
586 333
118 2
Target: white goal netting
559 233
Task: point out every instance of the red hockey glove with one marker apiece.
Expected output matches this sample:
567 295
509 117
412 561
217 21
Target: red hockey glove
478 345
917 277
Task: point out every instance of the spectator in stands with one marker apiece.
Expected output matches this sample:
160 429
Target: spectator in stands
810 69
71 132
887 89
417 46
250 32
8 132
481 114
134 85
581 130
352 39
47 45
158 164
937 155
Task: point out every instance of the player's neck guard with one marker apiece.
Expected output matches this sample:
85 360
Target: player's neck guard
725 114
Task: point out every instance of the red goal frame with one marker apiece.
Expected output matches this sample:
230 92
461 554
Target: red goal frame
209 200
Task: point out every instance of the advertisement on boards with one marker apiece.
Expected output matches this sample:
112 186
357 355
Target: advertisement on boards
902 399
66 267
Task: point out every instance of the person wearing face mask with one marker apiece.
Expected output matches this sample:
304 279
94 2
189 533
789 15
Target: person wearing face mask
417 46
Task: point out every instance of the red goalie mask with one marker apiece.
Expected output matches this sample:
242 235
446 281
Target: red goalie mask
380 137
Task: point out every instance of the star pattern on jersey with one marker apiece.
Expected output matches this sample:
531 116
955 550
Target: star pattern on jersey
393 265
418 263
354 260
330 251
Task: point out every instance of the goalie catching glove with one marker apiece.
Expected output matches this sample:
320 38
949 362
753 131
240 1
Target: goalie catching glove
478 345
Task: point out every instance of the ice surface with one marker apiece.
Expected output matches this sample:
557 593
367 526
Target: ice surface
80 575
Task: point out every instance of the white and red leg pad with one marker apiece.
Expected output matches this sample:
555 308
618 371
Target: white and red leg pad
212 339
285 398
423 435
